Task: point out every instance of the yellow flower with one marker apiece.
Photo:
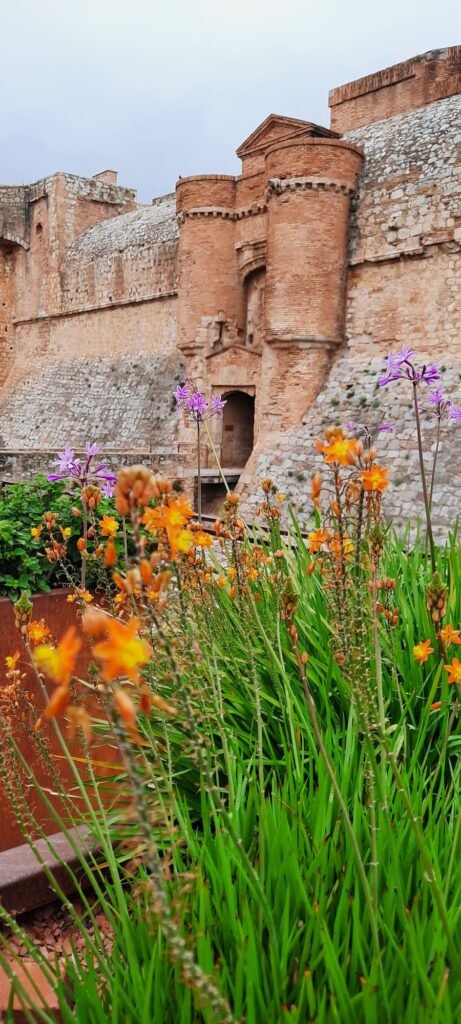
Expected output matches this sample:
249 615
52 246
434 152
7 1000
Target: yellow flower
375 479
65 532
36 531
109 526
341 450
450 635
221 581
454 671
59 662
280 496
11 661
123 652
37 631
422 651
202 539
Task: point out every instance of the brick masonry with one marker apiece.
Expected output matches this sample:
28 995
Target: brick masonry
287 283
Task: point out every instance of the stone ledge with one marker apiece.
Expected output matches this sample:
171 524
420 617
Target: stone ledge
23 883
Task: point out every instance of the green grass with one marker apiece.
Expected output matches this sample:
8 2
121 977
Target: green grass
266 892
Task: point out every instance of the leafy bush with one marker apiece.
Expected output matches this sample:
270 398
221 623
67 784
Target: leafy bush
23 563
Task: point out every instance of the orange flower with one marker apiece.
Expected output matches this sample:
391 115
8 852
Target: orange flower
316 487
171 517
454 671
450 635
422 651
37 631
35 532
109 526
11 661
59 662
202 539
176 512
123 652
436 705
341 450
341 548
58 702
375 479
316 539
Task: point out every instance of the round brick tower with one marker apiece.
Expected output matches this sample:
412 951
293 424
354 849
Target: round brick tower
309 185
208 283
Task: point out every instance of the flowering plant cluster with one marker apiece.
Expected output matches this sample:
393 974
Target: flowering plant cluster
194 403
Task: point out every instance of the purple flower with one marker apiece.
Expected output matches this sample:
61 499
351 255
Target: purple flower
436 396
71 468
454 413
107 489
429 374
217 405
182 393
66 460
92 449
363 430
195 404
400 367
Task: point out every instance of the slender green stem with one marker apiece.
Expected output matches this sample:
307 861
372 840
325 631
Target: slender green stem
217 460
423 477
199 476
434 464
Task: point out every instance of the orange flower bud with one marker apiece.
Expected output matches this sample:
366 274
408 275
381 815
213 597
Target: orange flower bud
125 708
163 705
94 622
81 543
145 569
110 556
316 487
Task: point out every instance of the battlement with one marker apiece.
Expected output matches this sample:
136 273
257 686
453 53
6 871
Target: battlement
431 76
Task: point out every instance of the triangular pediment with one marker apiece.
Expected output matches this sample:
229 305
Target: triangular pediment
276 128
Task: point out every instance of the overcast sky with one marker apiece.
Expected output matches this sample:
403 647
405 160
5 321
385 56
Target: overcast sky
159 88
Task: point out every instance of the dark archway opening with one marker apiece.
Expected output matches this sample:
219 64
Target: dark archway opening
237 429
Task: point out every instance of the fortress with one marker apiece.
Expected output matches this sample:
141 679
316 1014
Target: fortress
282 288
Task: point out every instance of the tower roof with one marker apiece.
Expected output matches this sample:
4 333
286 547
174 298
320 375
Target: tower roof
277 128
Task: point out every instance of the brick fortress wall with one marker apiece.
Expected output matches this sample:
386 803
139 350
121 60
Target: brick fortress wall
87 317
404 285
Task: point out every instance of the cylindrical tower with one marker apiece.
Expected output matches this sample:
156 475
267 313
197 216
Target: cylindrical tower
208 284
309 182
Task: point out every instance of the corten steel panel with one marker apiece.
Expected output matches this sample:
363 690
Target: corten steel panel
58 614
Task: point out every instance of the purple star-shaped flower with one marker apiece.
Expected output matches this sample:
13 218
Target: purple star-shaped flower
182 393
107 489
66 460
217 405
92 449
428 374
